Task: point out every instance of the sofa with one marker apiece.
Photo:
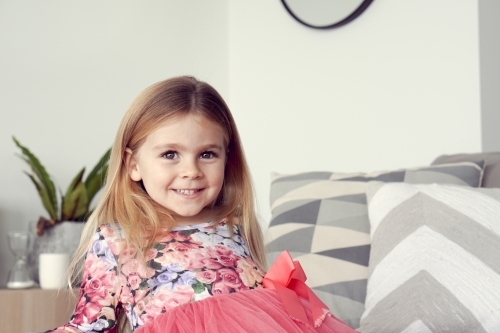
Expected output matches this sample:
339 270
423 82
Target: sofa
409 250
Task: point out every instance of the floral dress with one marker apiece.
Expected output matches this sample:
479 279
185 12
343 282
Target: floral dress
187 265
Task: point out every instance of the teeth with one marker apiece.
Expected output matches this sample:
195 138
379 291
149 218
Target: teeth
187 192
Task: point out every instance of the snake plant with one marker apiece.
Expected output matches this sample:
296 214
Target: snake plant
74 204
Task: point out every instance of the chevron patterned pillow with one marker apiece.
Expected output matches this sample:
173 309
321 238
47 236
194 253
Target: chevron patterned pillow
322 219
434 263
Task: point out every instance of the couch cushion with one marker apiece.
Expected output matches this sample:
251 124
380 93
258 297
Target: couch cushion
434 259
491 176
322 219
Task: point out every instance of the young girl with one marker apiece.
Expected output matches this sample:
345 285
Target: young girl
174 242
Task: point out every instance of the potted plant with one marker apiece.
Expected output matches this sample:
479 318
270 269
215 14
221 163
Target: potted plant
60 231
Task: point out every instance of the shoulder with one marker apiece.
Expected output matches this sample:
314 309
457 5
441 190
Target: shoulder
108 239
110 232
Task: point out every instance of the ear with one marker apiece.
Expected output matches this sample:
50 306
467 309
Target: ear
131 165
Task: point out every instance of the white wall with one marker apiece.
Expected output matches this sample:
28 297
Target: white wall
68 71
395 88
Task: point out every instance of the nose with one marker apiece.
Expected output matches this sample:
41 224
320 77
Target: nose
190 170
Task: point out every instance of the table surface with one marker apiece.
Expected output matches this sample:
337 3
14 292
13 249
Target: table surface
34 310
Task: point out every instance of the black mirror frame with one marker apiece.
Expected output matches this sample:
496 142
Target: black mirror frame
346 20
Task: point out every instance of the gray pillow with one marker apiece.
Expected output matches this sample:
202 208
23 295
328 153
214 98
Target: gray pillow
434 259
491 160
322 219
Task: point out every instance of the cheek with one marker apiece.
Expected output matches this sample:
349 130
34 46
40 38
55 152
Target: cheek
221 175
156 177
216 177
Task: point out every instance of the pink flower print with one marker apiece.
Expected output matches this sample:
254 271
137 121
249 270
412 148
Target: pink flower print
180 260
199 260
116 246
206 277
168 258
152 309
140 306
242 287
248 272
178 236
85 311
133 266
119 248
210 252
130 267
97 281
151 254
195 261
140 294
165 299
222 250
219 288
227 260
181 247
181 294
181 237
165 237
211 264
126 296
230 278
134 281
107 231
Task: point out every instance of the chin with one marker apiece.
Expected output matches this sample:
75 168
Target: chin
186 215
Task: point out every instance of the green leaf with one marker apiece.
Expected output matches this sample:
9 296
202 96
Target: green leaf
159 246
198 287
144 284
96 177
188 233
155 265
45 198
43 182
75 202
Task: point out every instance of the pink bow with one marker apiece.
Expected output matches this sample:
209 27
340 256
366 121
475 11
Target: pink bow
287 277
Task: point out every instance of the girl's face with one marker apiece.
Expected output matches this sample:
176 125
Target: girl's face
181 165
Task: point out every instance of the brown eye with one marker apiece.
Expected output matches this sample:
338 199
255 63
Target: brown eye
170 155
207 155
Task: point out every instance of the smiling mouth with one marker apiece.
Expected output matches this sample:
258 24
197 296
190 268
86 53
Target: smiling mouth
188 192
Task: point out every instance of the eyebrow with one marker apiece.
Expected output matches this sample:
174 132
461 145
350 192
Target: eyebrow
177 146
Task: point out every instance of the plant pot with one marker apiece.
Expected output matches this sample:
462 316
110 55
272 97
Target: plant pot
63 237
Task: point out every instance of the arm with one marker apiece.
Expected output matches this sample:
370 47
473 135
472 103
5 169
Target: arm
97 306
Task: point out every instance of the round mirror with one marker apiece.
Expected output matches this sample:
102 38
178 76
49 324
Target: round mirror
324 14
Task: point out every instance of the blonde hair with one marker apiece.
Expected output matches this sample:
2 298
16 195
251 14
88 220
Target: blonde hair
125 203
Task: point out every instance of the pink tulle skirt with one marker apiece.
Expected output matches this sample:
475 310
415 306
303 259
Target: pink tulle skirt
258 310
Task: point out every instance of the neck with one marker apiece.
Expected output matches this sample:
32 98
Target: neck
206 215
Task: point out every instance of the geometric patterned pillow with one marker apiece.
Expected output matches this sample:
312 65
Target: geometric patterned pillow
321 218
434 263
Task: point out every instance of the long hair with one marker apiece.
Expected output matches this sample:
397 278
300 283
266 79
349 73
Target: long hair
124 203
